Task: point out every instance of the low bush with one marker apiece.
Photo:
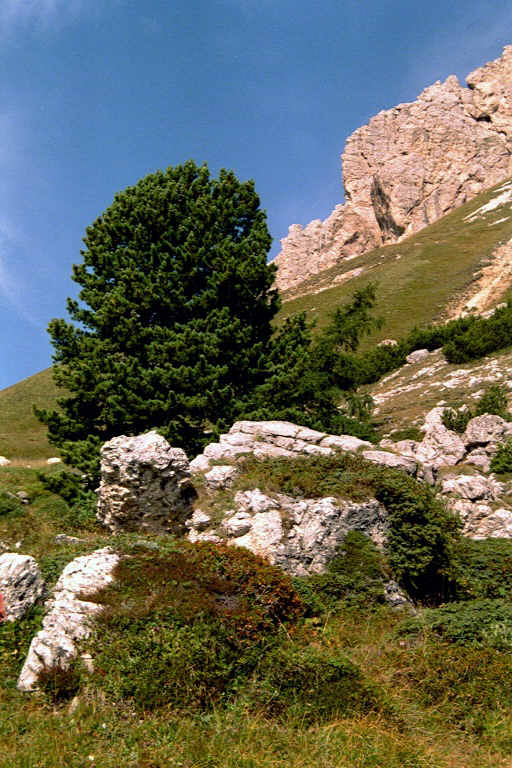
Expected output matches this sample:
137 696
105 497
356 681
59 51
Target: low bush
484 569
481 623
310 684
482 337
183 628
493 401
501 463
354 578
81 502
9 505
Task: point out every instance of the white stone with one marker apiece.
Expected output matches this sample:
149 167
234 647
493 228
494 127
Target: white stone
473 487
221 477
145 484
199 464
392 461
4 462
67 620
21 584
54 460
417 356
346 443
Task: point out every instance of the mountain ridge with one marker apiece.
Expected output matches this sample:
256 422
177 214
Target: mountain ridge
408 167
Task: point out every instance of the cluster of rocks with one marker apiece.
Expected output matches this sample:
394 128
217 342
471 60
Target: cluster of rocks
300 536
147 485
408 167
68 615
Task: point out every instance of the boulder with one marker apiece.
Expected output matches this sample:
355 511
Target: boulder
417 356
145 485
440 447
68 615
21 584
485 429
221 477
391 460
473 487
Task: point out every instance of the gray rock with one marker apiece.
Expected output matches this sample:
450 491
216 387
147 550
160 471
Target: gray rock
345 443
417 356
392 461
63 538
199 521
145 485
239 524
221 477
68 614
485 429
201 463
479 458
21 584
473 487
440 447
396 597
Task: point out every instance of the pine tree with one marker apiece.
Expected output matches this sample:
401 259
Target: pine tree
173 321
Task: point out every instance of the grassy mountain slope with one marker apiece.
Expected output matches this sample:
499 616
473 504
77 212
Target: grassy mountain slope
22 436
417 278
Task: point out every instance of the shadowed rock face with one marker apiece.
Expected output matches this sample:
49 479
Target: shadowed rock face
408 167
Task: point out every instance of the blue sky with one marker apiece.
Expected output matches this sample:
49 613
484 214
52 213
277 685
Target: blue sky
95 94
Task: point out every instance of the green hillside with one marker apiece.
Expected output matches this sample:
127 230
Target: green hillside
416 278
22 436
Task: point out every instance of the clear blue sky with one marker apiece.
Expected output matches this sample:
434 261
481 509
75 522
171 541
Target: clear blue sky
96 94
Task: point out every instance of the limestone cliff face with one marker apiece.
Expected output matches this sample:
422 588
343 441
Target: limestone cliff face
408 167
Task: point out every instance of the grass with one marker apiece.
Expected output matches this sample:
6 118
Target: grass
439 705
410 291
22 436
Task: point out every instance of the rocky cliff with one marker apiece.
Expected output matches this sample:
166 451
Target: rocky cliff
408 167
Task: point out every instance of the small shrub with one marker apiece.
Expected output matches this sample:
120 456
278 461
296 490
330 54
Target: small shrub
484 569
81 511
457 420
310 684
354 577
9 505
183 628
61 683
481 623
501 463
495 401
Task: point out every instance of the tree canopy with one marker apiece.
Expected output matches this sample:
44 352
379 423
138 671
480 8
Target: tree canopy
174 315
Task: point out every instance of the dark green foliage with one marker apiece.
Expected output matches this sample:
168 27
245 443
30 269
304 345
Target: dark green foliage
457 420
306 376
310 685
501 463
15 638
354 578
423 534
481 337
61 683
175 314
493 401
483 623
81 501
484 569
182 628
10 505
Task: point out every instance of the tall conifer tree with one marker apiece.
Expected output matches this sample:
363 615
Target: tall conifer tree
174 314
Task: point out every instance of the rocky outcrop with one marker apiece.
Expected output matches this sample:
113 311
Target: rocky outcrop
408 167
145 485
275 439
21 584
67 619
300 536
